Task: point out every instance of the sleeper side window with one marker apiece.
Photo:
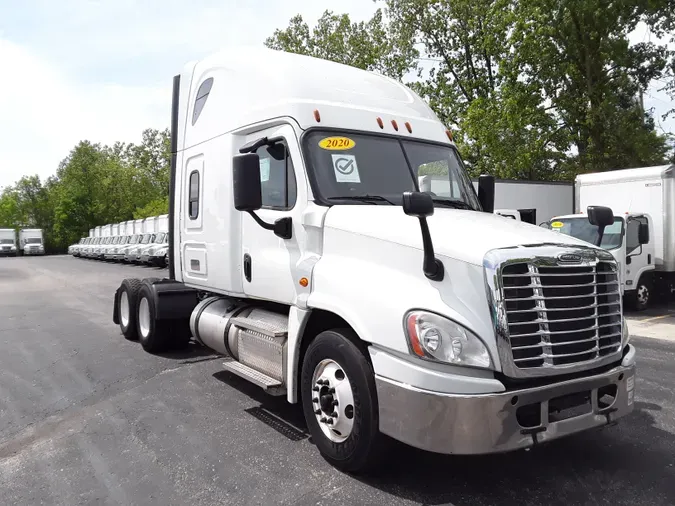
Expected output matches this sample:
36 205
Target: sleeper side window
200 100
193 201
277 177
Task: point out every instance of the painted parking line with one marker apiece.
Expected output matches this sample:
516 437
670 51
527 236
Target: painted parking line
653 318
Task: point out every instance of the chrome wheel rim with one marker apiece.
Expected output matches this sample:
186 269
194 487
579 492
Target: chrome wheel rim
124 309
144 317
333 400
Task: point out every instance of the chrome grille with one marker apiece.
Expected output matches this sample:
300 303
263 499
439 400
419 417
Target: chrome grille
557 309
563 314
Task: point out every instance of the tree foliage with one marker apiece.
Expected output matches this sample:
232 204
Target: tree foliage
94 185
534 89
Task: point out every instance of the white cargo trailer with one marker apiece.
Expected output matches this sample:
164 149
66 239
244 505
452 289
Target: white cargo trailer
8 242
138 226
150 225
163 223
531 201
540 200
300 253
31 241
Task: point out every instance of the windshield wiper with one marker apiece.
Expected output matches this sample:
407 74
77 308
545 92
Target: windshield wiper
455 204
363 198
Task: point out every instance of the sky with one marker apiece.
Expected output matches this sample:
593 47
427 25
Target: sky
101 70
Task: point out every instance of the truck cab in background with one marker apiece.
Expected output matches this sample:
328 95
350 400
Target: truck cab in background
31 241
629 240
8 242
303 250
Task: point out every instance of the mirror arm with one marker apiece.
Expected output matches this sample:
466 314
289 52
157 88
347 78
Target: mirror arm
601 232
281 227
265 225
432 266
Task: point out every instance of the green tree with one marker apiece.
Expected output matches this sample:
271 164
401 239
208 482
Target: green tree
366 45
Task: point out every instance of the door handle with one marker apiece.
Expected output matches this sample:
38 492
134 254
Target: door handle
247 267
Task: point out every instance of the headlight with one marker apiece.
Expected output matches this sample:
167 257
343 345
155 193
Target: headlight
434 337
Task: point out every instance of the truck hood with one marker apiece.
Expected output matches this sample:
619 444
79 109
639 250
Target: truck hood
463 235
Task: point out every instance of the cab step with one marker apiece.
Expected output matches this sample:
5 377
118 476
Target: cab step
267 383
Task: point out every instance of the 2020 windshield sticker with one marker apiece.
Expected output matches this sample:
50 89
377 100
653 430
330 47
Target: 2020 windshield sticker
264 169
337 143
346 170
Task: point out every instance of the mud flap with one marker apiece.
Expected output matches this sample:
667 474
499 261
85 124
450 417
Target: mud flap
116 307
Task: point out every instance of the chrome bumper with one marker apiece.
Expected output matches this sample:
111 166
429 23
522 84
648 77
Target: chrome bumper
489 423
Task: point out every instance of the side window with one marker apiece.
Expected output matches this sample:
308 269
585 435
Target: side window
632 234
200 100
277 176
632 242
193 202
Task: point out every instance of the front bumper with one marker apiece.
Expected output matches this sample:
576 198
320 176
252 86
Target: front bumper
505 421
29 252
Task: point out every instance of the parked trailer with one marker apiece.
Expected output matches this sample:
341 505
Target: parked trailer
8 242
530 201
299 253
31 241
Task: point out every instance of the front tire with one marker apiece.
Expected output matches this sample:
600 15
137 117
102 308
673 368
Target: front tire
641 297
339 400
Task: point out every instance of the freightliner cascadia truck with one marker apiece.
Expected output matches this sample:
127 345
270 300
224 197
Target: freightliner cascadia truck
302 250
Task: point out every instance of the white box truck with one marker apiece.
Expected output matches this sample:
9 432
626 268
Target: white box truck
31 241
157 253
642 238
8 242
302 250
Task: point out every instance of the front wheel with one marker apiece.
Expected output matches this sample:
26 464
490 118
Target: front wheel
339 401
640 298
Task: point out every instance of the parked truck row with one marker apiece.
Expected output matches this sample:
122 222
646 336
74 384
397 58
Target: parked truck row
305 249
143 241
30 242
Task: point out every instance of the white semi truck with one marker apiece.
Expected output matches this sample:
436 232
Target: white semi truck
642 238
157 253
302 250
8 242
31 241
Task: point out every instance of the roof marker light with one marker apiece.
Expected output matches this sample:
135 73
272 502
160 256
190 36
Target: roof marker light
407 125
317 116
379 122
394 124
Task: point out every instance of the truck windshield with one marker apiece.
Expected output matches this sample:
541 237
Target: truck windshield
6 241
350 167
581 228
160 238
147 238
33 240
134 239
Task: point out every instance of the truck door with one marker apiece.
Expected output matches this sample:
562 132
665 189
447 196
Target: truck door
639 257
269 263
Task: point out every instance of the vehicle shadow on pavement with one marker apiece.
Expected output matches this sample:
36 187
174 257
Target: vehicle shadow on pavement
192 353
626 464
276 412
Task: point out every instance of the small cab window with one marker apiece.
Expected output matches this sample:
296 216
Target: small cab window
193 201
633 233
200 100
277 177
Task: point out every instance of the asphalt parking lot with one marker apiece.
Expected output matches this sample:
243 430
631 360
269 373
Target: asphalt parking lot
87 417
